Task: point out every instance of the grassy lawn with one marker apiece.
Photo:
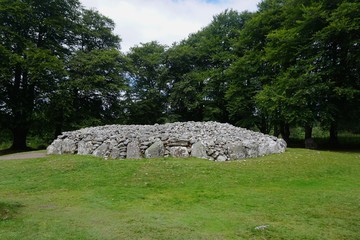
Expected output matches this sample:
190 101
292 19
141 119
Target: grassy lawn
300 194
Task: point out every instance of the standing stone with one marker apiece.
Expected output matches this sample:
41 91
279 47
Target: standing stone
221 158
101 150
133 150
156 150
85 148
236 151
68 146
115 153
55 147
181 152
266 146
252 149
198 150
281 143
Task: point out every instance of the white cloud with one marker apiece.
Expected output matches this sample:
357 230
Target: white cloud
165 21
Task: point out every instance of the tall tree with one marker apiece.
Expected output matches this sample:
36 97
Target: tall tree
96 79
316 54
289 50
251 70
37 40
184 84
96 85
338 54
217 43
147 98
34 37
201 62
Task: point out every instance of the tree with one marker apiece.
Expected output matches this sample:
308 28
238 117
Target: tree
316 55
201 62
37 41
34 36
96 85
338 54
297 88
96 80
251 70
147 98
217 54
184 84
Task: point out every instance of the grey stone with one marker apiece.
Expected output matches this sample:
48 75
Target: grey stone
55 147
179 152
85 148
178 142
211 140
252 149
221 158
262 227
215 154
198 150
101 150
133 150
282 145
114 153
156 150
236 151
68 146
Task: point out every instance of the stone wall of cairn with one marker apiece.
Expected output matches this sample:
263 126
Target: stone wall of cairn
210 140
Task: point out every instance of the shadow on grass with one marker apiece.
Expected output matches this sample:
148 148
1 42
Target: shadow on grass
12 151
351 143
8 210
28 149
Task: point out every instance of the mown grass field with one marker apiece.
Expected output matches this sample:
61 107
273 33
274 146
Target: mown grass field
300 194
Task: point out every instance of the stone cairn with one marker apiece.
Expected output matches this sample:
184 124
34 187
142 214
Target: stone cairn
210 140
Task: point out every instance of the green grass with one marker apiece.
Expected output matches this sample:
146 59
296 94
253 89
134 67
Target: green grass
300 194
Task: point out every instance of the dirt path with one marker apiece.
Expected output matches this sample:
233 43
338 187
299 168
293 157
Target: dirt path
24 155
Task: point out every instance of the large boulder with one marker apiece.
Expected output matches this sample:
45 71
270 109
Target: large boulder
181 152
236 151
156 150
199 150
133 150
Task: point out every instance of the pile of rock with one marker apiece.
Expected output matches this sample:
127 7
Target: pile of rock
210 140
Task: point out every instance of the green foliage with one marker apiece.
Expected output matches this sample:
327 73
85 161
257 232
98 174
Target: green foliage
300 194
39 43
96 80
292 63
197 69
147 97
287 73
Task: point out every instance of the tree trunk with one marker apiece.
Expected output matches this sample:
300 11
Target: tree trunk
21 100
285 131
263 126
19 138
276 130
308 132
309 141
333 134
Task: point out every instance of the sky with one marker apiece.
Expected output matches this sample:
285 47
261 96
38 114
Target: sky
165 21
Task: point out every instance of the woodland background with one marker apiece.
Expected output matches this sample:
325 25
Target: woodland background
287 69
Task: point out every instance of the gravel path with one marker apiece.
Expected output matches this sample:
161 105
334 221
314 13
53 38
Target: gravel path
24 155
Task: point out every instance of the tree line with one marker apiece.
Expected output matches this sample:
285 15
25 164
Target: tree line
290 63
